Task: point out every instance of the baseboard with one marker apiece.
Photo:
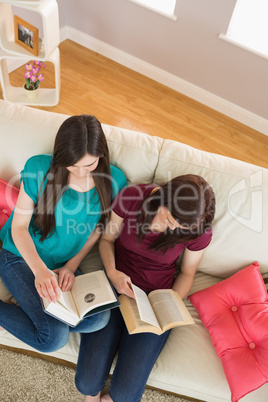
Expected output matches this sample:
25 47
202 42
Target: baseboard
200 95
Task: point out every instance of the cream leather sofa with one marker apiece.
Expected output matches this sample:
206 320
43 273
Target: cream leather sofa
188 364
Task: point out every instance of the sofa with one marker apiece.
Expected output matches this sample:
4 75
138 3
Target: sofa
188 365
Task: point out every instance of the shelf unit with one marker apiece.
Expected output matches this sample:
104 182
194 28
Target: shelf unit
48 10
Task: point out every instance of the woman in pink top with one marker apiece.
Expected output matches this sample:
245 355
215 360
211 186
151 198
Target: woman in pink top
149 228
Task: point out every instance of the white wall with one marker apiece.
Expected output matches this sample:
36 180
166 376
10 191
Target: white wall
188 49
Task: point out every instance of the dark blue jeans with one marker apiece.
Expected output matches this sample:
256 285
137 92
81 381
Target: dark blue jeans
28 321
137 355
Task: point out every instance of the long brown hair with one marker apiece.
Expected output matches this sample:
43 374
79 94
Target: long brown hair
191 202
76 137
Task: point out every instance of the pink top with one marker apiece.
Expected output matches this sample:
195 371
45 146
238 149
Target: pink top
148 269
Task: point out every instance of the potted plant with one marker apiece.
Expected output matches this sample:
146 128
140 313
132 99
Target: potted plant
33 78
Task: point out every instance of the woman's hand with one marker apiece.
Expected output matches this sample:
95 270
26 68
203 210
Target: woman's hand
121 282
46 285
66 278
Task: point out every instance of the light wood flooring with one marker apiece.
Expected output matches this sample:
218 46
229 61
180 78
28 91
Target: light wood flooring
116 95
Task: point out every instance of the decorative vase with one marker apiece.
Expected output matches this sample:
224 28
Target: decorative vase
31 93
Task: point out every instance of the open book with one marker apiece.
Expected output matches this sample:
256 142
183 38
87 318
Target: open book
90 294
159 311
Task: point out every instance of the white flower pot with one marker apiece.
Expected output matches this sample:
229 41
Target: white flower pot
31 93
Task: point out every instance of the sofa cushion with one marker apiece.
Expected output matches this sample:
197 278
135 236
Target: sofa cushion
240 228
235 312
28 131
134 152
8 198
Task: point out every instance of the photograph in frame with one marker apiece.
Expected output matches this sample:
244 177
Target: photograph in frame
26 35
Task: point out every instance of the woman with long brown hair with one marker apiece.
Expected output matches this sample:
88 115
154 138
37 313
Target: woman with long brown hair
149 228
63 199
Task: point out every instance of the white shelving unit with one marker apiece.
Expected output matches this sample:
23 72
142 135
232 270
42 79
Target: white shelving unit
9 50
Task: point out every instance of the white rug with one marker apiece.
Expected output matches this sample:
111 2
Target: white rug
27 379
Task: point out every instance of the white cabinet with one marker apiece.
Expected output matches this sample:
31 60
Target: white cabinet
9 50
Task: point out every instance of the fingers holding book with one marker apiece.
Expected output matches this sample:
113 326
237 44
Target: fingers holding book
121 282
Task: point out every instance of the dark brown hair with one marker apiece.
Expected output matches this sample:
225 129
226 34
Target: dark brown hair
76 137
191 202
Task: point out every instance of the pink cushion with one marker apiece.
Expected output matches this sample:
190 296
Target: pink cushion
8 199
235 312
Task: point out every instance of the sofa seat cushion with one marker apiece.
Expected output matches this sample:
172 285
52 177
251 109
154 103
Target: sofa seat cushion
235 312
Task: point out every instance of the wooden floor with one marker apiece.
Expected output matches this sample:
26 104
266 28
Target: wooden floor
116 95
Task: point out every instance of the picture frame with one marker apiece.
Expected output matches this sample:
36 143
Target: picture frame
26 35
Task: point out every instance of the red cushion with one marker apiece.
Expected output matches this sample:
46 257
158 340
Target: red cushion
235 312
8 199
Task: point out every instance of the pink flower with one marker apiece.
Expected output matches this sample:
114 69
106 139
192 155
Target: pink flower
28 67
27 74
40 64
33 78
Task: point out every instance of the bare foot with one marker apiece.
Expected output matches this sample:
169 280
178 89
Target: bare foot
106 398
89 398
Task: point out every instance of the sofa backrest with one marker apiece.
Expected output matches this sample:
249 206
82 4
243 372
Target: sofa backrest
134 152
241 222
26 131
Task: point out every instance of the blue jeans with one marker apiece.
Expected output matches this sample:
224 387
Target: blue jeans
28 321
137 355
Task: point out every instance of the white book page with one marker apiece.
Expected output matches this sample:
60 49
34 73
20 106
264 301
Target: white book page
92 290
66 299
166 307
145 310
58 310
